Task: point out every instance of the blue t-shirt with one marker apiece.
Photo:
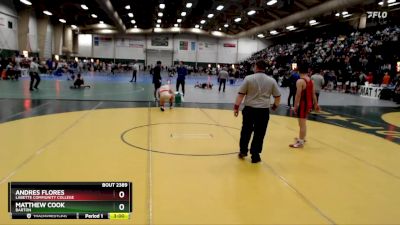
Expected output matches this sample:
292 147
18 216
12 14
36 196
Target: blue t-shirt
293 79
182 72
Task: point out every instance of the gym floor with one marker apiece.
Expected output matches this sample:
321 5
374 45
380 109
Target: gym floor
183 161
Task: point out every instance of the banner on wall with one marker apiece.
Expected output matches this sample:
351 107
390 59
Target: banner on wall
206 46
102 41
159 41
183 45
229 45
193 46
129 43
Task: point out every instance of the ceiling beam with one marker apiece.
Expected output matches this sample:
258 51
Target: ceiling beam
108 8
255 23
300 5
273 15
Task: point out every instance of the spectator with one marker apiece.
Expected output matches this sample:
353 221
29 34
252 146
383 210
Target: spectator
34 74
292 87
222 77
319 82
385 80
157 78
182 72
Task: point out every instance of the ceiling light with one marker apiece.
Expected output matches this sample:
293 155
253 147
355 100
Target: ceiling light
160 14
393 4
157 29
107 31
196 30
74 27
273 32
189 5
130 15
101 22
312 21
196 26
135 26
62 20
291 27
133 21
94 15
210 15
261 36
337 14
158 25
176 25
237 20
202 21
220 7
159 21
251 12
47 13
272 2
175 29
226 25
183 13
216 33
219 28
162 6
389 2
84 7
345 13
26 2
128 7
179 20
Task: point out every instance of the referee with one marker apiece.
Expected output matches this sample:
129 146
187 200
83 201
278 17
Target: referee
256 90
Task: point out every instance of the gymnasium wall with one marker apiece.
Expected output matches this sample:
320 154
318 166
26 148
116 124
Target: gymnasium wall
170 47
8 36
32 45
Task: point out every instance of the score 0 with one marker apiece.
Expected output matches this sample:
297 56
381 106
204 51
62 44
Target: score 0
121 195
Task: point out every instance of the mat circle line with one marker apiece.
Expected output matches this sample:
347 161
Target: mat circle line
174 153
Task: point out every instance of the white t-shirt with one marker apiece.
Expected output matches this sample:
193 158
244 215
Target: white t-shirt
258 89
34 67
319 82
136 67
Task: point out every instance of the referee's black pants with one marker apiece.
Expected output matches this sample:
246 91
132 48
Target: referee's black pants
34 76
254 120
178 83
134 75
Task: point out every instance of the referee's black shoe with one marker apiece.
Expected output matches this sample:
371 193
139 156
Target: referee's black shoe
255 158
242 155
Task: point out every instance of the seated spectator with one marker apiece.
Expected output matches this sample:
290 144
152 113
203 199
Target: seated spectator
385 80
370 78
79 83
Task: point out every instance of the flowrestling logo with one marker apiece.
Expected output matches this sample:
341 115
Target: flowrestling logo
377 14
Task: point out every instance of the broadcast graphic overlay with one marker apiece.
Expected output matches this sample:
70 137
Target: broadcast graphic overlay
70 200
